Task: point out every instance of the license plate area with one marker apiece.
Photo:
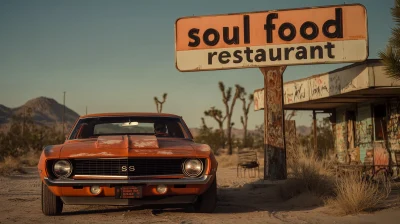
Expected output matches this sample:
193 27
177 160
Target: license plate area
124 192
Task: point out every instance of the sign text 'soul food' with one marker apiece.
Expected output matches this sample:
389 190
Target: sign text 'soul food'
333 34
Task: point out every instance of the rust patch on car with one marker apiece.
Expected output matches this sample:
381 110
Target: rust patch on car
165 152
173 153
119 141
143 142
201 149
91 154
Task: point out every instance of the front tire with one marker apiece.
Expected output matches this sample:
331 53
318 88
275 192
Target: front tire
207 202
51 204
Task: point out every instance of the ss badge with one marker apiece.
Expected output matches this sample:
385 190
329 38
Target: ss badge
125 168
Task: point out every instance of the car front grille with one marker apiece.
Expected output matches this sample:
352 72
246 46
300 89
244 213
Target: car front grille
128 167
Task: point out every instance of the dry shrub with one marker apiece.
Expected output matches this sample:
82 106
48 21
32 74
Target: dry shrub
291 188
30 159
227 160
308 173
9 165
354 195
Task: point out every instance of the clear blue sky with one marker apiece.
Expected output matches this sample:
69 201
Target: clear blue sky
117 55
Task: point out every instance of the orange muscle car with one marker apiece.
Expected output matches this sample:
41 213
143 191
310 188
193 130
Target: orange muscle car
128 159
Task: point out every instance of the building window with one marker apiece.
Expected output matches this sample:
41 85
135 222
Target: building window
380 122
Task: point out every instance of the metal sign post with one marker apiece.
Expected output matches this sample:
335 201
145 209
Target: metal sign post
274 126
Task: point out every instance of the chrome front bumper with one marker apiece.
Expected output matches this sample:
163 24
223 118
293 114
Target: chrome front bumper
159 200
82 183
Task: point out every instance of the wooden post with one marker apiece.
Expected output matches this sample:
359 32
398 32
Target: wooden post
274 128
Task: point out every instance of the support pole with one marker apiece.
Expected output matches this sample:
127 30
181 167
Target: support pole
315 133
274 127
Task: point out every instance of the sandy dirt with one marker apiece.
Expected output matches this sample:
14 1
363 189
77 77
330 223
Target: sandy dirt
240 200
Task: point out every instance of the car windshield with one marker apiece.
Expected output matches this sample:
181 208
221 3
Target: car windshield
158 126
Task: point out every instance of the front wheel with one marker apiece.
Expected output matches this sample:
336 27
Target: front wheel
51 204
207 202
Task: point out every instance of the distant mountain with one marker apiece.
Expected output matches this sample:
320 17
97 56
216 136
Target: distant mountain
238 133
48 111
44 111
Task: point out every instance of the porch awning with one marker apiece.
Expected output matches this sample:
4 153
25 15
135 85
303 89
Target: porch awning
356 83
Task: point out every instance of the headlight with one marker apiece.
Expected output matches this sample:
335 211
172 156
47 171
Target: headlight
192 167
62 168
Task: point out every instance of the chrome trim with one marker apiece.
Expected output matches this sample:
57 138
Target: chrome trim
80 177
110 177
159 200
70 182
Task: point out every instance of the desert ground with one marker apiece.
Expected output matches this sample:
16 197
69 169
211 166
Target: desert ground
240 200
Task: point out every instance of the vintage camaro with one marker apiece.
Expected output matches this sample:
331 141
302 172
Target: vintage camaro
128 159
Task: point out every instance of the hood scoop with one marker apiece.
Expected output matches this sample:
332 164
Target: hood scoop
143 142
111 142
124 141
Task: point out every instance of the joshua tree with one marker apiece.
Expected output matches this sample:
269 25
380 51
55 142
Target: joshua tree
246 107
159 104
217 115
203 123
391 57
226 97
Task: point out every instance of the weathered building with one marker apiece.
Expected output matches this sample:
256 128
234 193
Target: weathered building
364 102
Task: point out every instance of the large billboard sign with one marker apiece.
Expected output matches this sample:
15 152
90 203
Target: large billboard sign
328 34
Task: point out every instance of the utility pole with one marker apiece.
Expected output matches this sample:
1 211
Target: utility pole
86 110
63 116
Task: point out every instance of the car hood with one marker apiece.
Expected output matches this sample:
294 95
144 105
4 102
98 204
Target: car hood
128 146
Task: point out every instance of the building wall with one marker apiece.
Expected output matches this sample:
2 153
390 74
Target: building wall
341 133
394 127
364 132
364 129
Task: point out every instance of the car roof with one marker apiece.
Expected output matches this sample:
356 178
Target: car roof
130 114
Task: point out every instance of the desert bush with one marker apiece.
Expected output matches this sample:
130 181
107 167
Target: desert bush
25 135
9 165
30 159
226 160
291 188
255 139
211 137
349 193
354 194
325 138
308 173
